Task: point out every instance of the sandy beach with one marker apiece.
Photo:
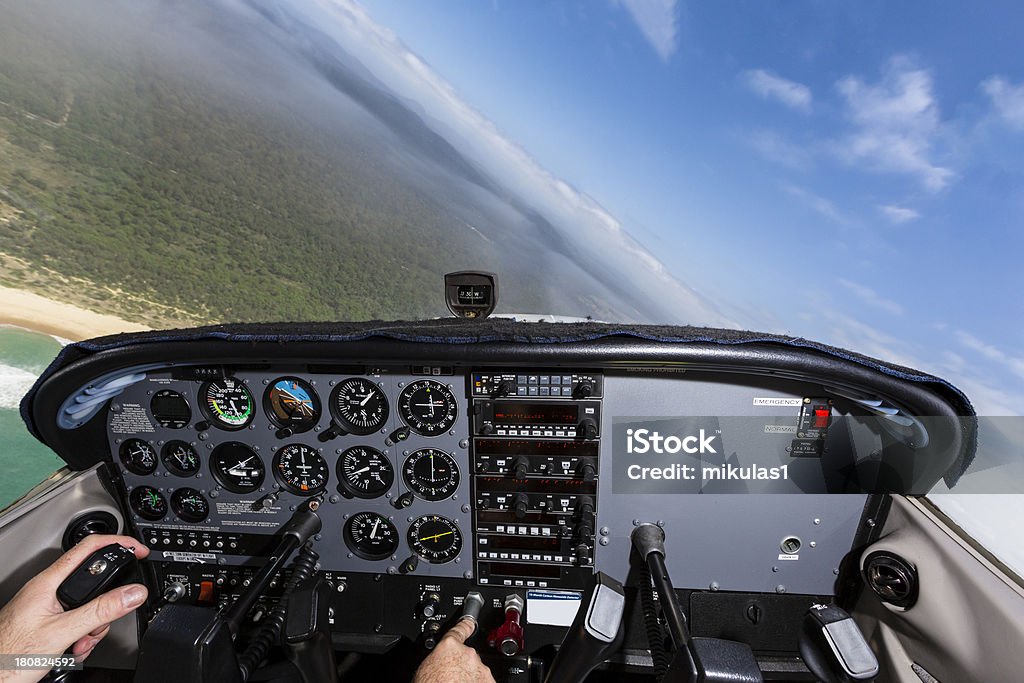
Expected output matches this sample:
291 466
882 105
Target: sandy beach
35 312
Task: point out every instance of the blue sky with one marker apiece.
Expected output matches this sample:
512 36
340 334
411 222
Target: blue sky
850 172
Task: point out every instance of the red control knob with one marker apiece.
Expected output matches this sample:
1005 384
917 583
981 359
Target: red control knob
508 638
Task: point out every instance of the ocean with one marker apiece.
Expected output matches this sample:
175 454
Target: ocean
24 462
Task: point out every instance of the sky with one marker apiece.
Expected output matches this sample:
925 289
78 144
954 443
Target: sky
848 172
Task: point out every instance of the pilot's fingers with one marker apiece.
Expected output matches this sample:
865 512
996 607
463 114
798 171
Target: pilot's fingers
52 576
461 631
99 612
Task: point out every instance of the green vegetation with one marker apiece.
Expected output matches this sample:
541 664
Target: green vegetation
167 199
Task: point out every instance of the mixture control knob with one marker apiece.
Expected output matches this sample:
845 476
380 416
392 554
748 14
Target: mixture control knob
508 638
520 505
587 428
520 466
431 601
583 389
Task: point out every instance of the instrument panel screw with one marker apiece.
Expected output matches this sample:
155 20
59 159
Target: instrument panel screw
467 574
871 522
604 541
333 499
605 531
817 521
466 508
378 628
775 569
661 523
836 571
636 522
714 586
780 588
814 544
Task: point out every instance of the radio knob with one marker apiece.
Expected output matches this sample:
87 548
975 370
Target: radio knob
504 388
587 472
587 428
487 429
520 505
583 389
520 466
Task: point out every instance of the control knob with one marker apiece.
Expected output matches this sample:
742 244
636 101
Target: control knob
587 428
520 505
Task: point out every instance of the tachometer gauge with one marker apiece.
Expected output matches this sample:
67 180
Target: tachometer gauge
190 505
227 403
180 458
371 536
431 474
300 469
292 403
170 409
236 467
359 406
428 407
365 472
435 538
138 456
148 503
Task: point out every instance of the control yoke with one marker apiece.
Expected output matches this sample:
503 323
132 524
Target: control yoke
693 660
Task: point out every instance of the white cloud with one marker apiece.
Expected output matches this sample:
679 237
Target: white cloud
1007 100
898 215
992 353
816 202
657 21
896 124
872 298
773 87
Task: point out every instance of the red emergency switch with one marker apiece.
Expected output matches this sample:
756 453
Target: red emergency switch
821 417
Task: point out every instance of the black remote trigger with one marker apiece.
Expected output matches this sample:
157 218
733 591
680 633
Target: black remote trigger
109 567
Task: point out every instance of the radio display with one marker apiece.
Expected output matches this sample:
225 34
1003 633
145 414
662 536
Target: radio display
508 412
560 449
552 543
538 571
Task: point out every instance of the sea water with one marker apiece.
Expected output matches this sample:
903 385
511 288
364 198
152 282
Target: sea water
24 462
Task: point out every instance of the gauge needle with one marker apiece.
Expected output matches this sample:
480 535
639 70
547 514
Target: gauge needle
432 476
437 536
373 531
365 469
239 469
233 408
367 399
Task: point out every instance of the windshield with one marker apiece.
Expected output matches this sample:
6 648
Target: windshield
845 172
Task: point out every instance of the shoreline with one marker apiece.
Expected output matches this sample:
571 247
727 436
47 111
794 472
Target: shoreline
30 311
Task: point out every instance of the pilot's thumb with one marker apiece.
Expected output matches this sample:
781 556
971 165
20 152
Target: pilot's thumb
103 610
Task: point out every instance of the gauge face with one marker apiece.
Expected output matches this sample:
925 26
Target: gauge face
170 409
435 538
180 458
148 503
428 407
359 406
190 505
138 456
371 536
300 469
292 403
236 467
227 403
365 472
431 474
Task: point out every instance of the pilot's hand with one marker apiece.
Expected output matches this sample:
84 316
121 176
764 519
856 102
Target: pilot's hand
34 623
452 661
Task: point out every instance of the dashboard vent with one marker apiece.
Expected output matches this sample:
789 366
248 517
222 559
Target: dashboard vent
893 579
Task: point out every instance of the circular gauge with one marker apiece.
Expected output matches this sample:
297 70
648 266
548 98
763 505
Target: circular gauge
432 474
170 409
428 407
365 472
435 538
138 456
292 403
227 403
359 406
236 467
300 469
190 505
371 536
148 503
180 458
